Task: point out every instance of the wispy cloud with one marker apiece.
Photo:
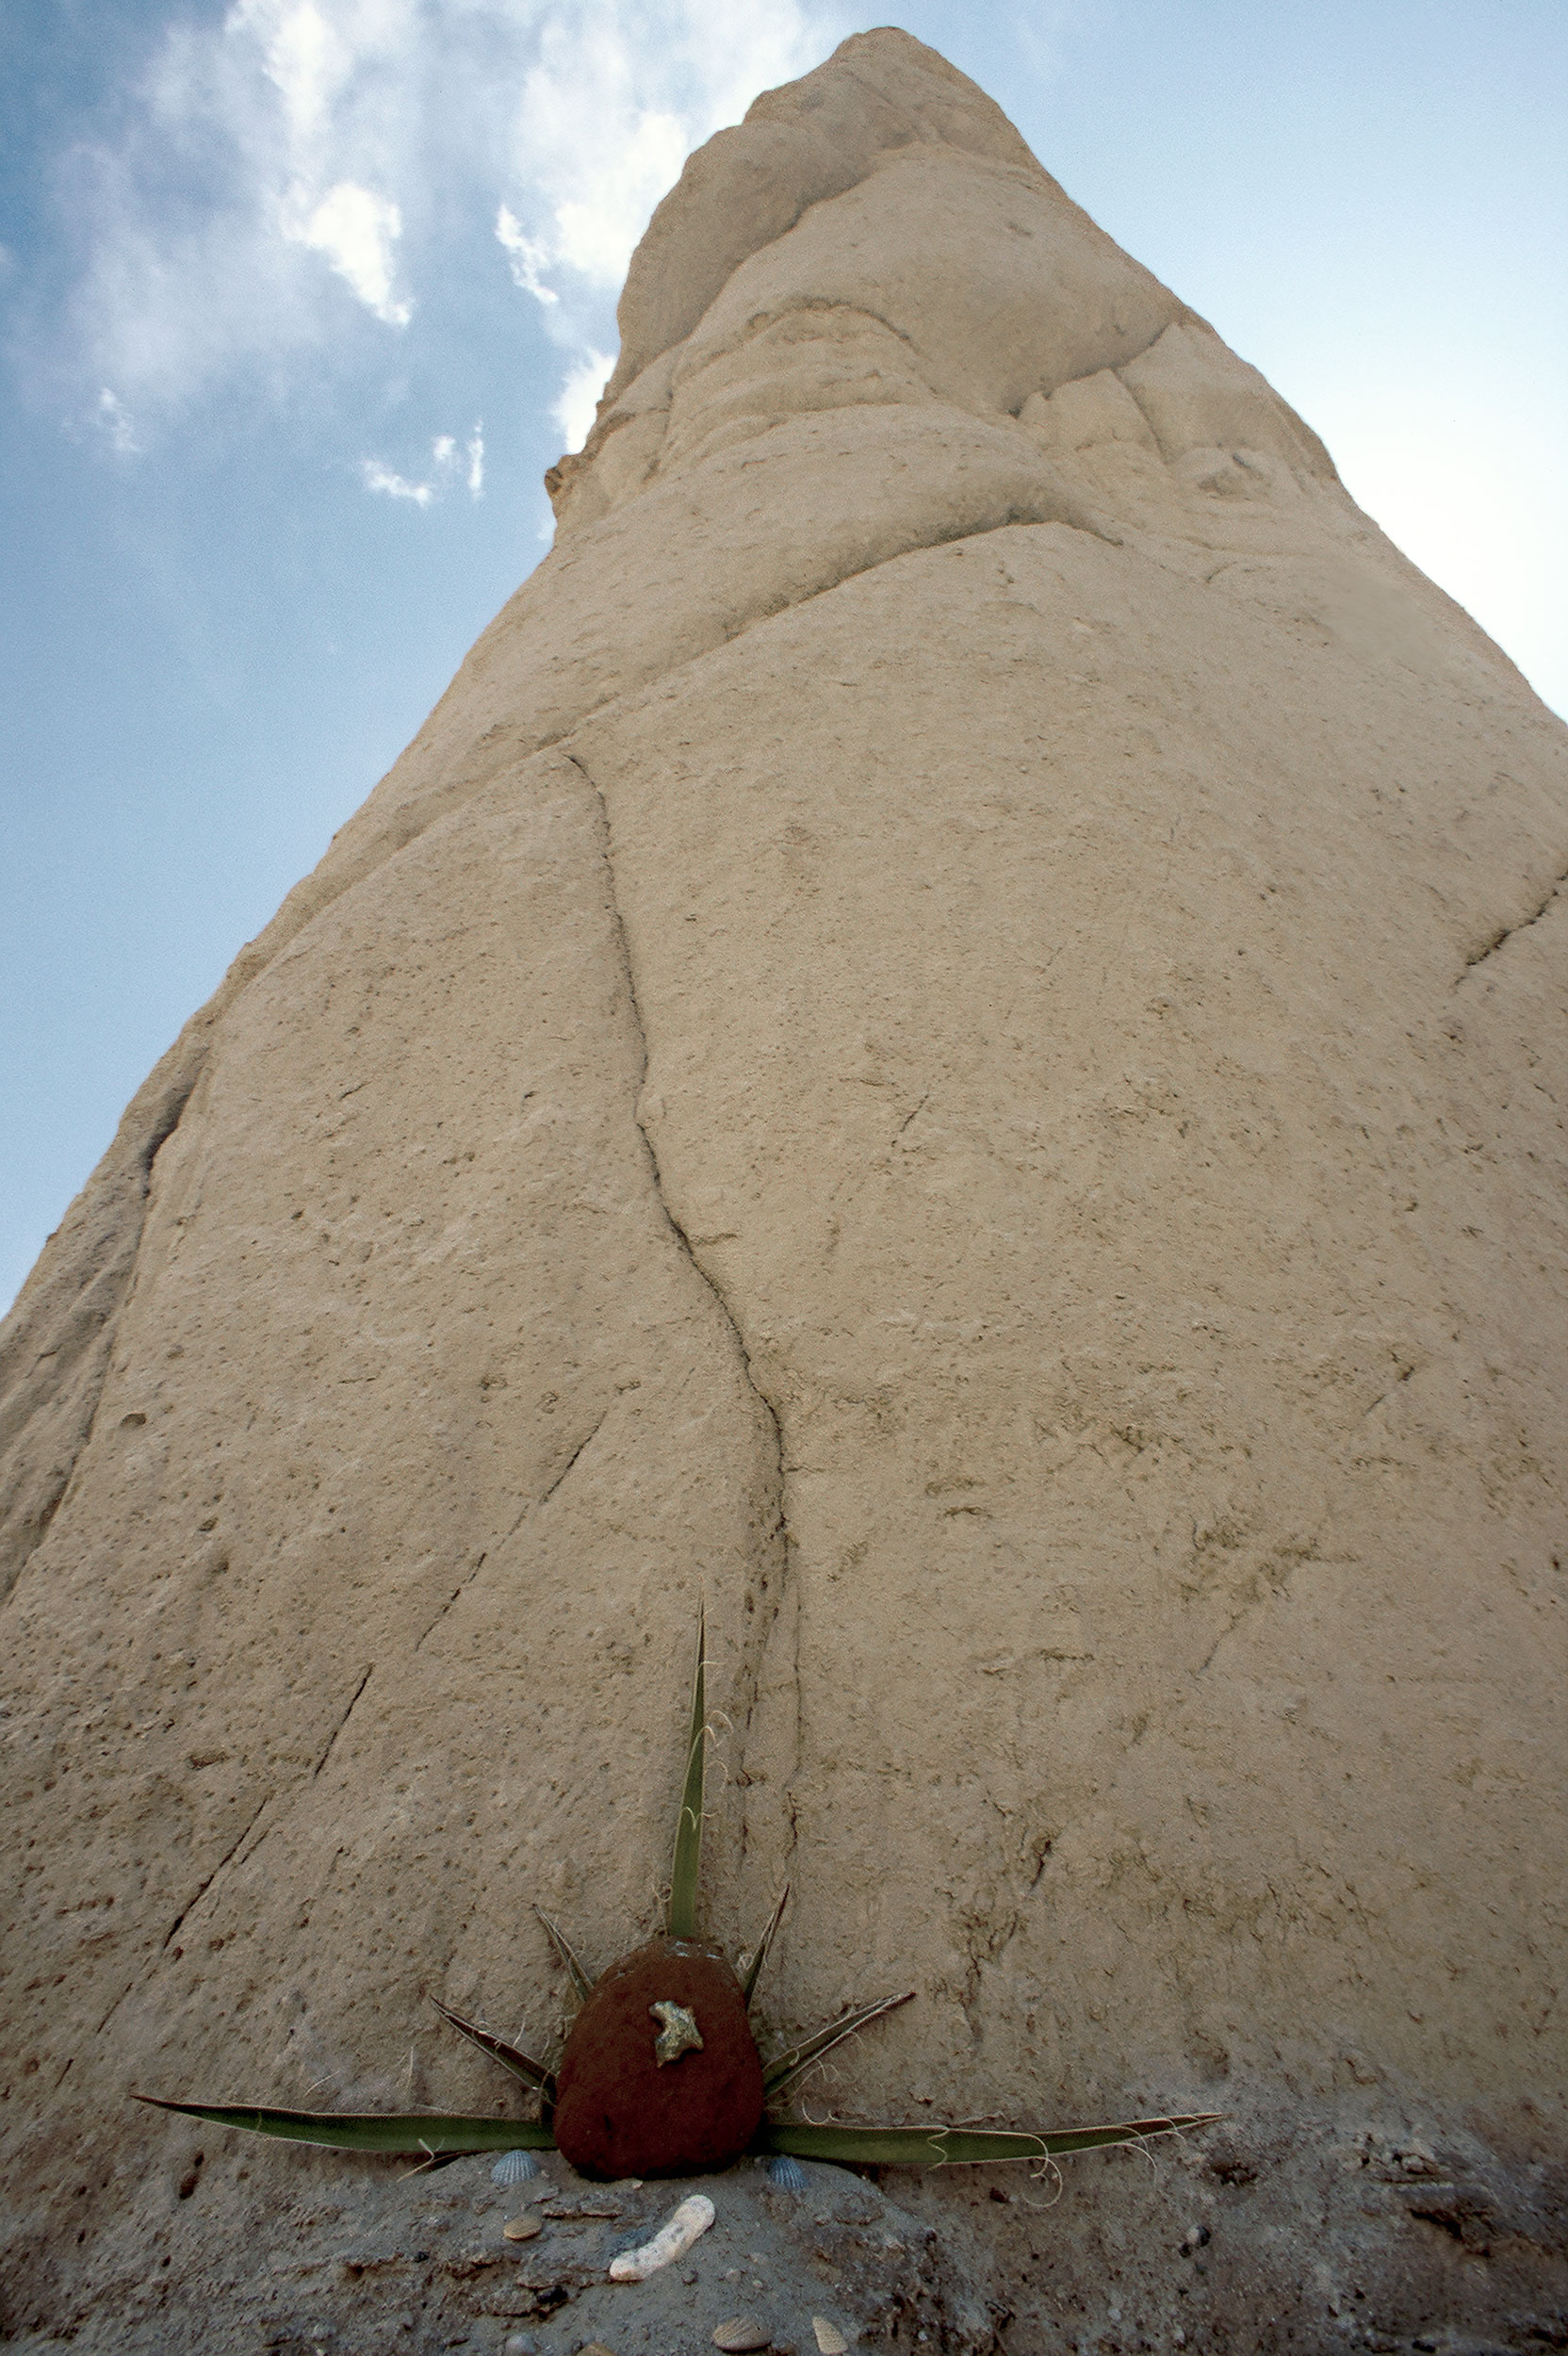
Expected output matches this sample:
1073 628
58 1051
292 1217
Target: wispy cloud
447 463
288 179
356 230
380 478
527 256
114 420
574 406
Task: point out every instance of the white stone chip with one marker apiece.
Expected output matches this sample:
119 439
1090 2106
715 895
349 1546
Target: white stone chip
673 2239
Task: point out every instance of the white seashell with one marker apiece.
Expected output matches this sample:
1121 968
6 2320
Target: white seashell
786 2174
514 2168
743 2335
673 2239
830 2338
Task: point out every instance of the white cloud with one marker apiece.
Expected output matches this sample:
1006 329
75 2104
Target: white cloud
526 258
612 104
447 461
595 232
306 58
380 478
293 149
356 230
574 406
113 417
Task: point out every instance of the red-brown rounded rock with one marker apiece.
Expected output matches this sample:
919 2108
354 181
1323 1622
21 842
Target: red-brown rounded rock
619 2111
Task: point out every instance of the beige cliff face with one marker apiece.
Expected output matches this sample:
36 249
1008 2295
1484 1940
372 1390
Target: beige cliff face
952 1036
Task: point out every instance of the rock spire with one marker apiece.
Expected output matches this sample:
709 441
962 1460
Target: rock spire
951 1036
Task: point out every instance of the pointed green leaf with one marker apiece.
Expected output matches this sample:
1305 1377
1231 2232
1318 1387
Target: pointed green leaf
682 1915
373 2131
955 2147
559 1941
796 2058
754 1968
521 2065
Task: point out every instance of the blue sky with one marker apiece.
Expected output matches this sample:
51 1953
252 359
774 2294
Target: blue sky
299 299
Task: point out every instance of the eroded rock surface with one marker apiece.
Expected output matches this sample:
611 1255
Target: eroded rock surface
952 1035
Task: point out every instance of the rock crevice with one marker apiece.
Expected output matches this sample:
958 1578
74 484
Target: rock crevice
1505 933
774 1594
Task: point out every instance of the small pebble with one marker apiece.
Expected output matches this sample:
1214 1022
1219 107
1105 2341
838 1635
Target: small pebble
830 2338
521 2229
520 2344
741 2334
594 2347
514 2168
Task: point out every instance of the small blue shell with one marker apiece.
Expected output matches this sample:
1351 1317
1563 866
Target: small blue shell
786 2174
514 2168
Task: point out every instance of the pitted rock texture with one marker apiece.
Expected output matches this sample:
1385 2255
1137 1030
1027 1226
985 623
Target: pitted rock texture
952 1036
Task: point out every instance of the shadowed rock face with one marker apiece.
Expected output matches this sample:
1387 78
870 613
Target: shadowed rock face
952 1035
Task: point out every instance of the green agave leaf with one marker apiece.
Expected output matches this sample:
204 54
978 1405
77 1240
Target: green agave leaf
796 2058
580 1980
682 1916
953 2146
521 2065
754 1968
373 2131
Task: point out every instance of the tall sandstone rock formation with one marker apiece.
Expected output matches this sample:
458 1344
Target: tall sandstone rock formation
952 1036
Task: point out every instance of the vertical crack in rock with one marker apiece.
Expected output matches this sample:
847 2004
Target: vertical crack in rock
84 1297
752 1649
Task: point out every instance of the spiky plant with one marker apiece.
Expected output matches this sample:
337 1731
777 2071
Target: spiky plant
681 2099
